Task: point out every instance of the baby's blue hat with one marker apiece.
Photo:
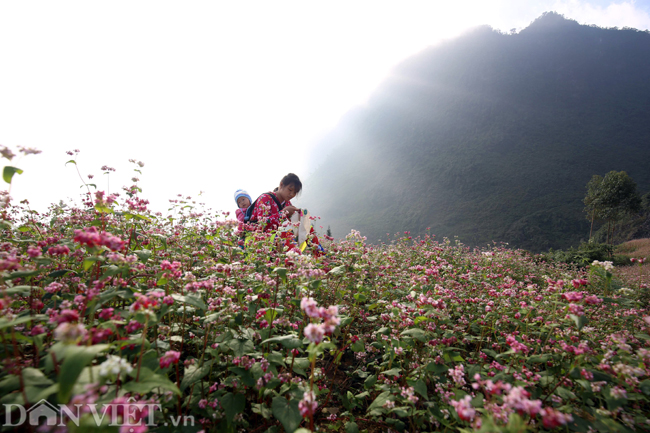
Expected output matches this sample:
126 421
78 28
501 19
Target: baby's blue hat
242 193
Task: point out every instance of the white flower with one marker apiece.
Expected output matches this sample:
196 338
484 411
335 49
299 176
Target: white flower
113 366
607 265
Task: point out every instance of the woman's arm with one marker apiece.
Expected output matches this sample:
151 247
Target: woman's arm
289 210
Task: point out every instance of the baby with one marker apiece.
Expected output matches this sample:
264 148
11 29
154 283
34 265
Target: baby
243 202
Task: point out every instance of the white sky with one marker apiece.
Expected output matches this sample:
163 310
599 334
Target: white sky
214 96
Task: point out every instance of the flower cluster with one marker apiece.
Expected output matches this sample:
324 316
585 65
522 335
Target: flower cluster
329 316
170 357
308 404
114 366
608 266
91 237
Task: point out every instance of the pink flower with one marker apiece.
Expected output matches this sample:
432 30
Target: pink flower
59 250
113 243
464 408
314 333
67 316
593 300
552 418
92 238
308 404
106 313
170 357
88 236
572 296
9 264
53 287
34 251
458 375
576 309
516 345
310 307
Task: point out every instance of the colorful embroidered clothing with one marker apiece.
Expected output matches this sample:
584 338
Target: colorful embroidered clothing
267 213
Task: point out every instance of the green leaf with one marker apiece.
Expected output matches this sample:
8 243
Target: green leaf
9 172
580 321
143 255
88 262
232 404
490 352
72 161
565 393
351 427
287 413
300 365
262 409
194 373
645 386
59 273
421 388
22 274
392 372
245 375
282 272
20 290
129 216
76 359
150 383
360 297
289 341
111 270
379 401
358 346
270 315
103 209
437 368
370 381
416 333
339 270
241 347
4 323
34 377
192 300
538 359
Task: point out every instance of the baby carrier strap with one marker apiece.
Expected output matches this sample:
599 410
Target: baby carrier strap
249 211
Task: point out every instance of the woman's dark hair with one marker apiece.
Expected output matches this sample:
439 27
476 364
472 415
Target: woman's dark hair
292 179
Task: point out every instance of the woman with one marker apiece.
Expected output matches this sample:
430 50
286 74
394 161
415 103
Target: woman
271 207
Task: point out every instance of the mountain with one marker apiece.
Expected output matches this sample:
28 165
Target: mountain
492 137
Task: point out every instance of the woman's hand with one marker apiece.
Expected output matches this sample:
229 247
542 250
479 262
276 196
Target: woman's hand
289 210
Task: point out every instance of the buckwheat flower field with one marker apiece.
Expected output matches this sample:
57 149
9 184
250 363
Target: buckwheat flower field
109 305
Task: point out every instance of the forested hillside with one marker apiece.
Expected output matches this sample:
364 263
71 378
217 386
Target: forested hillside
492 136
